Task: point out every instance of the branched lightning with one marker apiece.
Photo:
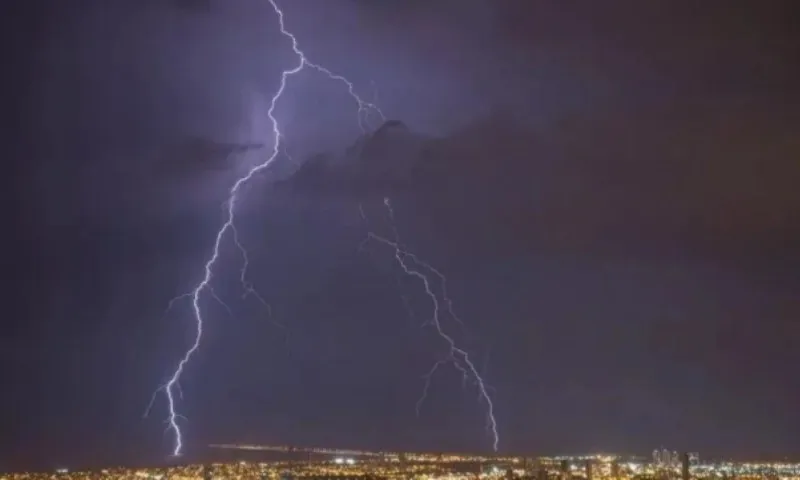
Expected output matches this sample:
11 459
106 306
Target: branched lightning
364 110
413 266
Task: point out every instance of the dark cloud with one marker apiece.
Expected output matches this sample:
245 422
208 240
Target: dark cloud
698 175
697 178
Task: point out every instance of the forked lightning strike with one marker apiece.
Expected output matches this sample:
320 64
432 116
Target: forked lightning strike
456 356
364 109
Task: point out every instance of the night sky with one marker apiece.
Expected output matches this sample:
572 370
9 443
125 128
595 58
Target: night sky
612 189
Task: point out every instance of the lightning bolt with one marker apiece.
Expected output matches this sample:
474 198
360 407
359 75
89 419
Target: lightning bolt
414 267
204 286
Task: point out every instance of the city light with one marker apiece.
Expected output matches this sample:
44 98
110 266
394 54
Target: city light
342 464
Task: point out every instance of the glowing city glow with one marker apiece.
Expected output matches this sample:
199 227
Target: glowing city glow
335 463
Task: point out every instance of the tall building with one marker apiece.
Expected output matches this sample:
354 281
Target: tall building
541 473
666 458
663 458
565 470
685 466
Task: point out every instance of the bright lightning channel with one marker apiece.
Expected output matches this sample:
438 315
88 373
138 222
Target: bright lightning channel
364 110
413 266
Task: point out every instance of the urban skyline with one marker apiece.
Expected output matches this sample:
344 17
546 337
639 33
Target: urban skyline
332 463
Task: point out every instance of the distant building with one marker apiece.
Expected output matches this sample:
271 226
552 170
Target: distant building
541 473
685 466
565 473
663 458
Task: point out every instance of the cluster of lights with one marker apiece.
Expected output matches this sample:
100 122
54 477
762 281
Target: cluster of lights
337 467
420 466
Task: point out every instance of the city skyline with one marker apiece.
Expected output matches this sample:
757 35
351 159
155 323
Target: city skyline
342 463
